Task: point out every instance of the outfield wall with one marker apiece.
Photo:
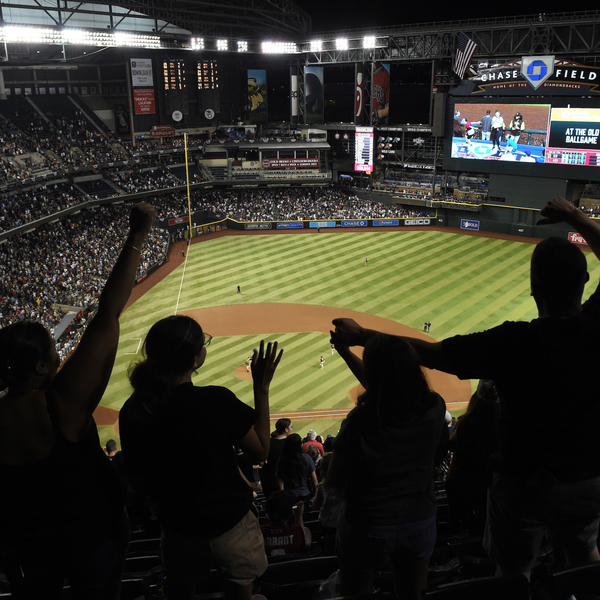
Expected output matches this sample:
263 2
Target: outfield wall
492 219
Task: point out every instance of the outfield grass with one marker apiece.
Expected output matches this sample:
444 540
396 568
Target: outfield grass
460 283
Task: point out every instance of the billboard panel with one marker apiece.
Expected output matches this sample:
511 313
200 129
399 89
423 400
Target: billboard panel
257 96
143 102
313 95
363 149
141 72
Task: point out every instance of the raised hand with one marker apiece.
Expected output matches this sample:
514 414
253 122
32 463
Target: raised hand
141 218
347 333
264 364
558 210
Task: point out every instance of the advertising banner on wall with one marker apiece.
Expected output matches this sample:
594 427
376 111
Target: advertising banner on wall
313 95
381 93
283 163
294 94
359 94
143 102
141 72
257 96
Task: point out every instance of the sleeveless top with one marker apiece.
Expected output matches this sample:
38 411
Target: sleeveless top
70 502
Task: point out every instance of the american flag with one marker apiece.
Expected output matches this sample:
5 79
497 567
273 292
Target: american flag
464 52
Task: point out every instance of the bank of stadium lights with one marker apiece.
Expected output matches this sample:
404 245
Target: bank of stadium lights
223 45
197 43
341 44
279 48
242 46
369 41
33 35
316 45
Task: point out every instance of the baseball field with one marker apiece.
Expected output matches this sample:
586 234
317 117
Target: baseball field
292 285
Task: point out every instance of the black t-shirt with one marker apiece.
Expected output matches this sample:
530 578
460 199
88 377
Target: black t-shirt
268 474
546 375
184 456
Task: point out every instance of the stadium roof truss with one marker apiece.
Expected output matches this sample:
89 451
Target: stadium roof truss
250 18
566 34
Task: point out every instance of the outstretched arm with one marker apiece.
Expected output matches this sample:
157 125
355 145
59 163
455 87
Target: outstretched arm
257 441
350 333
80 384
559 210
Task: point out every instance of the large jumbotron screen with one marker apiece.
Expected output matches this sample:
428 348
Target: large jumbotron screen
551 138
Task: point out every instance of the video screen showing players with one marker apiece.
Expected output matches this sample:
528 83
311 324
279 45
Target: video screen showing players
501 132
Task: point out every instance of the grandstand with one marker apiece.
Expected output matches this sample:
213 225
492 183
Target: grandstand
232 137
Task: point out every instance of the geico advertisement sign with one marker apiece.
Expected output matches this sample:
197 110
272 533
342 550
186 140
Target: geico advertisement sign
417 221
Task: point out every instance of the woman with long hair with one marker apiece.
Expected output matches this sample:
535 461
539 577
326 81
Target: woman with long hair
61 500
296 470
382 466
204 506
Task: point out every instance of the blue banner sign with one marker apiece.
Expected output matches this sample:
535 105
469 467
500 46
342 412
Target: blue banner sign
386 222
291 225
316 224
355 223
468 224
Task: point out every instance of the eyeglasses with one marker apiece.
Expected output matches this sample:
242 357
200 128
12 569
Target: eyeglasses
207 339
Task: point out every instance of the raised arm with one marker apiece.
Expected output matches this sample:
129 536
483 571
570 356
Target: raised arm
350 333
80 384
559 210
354 363
257 441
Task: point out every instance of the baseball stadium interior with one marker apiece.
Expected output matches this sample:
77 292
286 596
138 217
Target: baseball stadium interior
236 116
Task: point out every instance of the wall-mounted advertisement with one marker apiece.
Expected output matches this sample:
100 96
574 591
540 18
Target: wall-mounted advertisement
143 102
141 72
313 95
381 93
363 149
141 77
257 96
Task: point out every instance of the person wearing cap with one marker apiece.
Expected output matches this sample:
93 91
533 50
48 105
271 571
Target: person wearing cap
281 537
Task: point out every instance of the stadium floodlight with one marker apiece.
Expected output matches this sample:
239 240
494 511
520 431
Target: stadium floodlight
197 43
341 44
242 46
369 41
30 35
136 40
37 35
222 45
316 45
279 48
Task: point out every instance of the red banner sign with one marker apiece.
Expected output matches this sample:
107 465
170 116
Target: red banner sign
143 102
576 238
